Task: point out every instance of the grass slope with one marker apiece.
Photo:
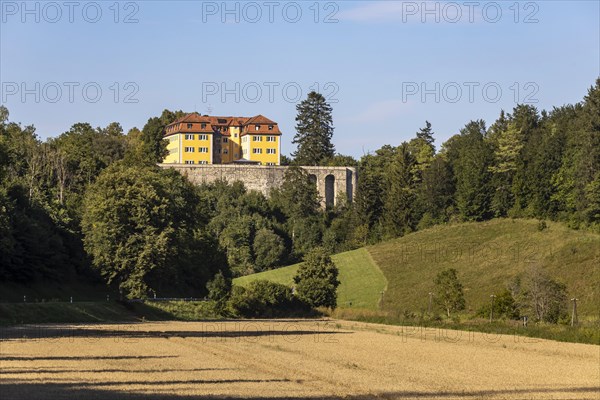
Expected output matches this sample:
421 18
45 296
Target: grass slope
29 313
55 292
487 256
101 312
361 280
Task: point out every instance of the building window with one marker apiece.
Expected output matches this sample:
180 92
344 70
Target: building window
189 162
190 137
271 139
189 126
235 135
235 155
203 126
271 151
189 149
225 140
202 137
270 127
271 163
257 127
257 151
203 149
202 162
225 151
257 138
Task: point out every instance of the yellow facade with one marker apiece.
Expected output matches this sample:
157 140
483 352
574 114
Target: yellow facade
235 141
194 148
262 148
173 147
198 139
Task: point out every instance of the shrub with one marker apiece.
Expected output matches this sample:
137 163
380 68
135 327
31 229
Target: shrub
541 295
219 289
504 307
316 280
265 299
449 291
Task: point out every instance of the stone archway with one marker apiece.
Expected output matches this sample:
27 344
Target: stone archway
329 191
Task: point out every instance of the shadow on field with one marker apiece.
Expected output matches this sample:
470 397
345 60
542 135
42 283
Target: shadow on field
78 358
132 331
109 370
57 391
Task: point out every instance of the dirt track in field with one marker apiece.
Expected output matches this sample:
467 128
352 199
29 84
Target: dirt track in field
292 359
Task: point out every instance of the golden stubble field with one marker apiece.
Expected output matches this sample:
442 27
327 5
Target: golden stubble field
287 359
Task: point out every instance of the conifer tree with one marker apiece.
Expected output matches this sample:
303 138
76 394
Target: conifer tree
426 133
400 197
314 131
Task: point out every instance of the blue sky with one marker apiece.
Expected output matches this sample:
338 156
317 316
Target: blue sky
387 66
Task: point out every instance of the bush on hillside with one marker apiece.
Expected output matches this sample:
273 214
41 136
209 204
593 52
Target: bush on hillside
264 299
541 295
316 280
219 289
505 307
449 291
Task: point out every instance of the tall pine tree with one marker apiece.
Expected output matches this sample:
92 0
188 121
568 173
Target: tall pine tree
426 133
471 157
314 131
399 206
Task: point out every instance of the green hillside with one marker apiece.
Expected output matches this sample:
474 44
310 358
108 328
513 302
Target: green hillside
361 280
487 256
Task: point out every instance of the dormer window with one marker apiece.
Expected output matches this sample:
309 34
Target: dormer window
270 127
189 126
203 125
256 127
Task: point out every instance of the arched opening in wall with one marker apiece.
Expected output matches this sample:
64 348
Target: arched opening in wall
349 185
329 191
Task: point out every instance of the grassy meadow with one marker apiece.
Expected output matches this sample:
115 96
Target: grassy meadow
361 280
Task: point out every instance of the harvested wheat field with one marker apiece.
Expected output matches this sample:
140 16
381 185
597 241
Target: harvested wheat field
290 358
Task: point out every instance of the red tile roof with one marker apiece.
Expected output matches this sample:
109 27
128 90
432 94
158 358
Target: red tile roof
214 122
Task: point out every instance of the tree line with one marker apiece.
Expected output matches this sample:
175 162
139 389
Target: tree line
527 164
91 203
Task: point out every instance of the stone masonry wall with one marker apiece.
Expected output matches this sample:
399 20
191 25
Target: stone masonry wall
331 181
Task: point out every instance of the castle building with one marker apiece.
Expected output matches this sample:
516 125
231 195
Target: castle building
203 139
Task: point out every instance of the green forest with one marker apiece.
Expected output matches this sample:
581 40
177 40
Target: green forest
91 204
